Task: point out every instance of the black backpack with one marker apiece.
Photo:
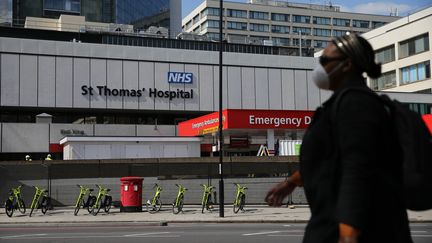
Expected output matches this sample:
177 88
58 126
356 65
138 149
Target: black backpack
415 141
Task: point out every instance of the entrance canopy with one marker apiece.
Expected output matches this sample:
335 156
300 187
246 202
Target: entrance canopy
246 119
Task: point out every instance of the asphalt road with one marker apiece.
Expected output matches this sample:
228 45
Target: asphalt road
139 232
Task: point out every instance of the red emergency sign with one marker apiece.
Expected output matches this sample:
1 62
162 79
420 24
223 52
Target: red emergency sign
246 119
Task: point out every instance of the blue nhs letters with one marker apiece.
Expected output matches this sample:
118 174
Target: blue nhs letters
180 77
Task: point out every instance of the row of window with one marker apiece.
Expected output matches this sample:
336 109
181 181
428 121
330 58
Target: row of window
274 28
236 13
417 72
407 48
195 44
276 41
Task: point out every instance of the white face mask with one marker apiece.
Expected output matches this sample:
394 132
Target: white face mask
320 77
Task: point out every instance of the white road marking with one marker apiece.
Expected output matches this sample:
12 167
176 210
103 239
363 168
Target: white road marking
263 233
19 236
286 235
146 234
88 236
418 231
427 236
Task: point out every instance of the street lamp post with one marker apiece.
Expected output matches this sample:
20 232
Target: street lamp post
221 139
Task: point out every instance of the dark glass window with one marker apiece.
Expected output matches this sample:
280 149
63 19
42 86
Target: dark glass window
235 13
258 15
280 17
386 81
301 19
414 45
321 20
360 23
385 55
341 22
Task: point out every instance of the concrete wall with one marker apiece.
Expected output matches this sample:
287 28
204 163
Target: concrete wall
39 73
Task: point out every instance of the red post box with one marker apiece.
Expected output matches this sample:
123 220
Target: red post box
131 194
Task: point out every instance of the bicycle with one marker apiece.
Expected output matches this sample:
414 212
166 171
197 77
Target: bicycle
14 202
240 199
103 200
206 199
82 202
45 203
156 203
179 201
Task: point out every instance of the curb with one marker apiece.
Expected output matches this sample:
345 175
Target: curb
166 222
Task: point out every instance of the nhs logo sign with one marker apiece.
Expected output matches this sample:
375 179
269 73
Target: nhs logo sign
180 77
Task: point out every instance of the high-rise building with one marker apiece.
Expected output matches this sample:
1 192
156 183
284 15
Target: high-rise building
279 23
5 11
140 13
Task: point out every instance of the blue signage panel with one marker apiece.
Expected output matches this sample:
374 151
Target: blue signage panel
180 77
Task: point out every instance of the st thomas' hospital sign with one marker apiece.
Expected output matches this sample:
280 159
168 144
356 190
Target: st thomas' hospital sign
173 77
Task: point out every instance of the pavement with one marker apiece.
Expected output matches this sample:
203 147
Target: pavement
191 214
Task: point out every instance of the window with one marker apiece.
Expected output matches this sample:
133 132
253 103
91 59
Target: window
258 15
281 41
320 43
188 25
211 12
280 17
360 23
322 32
337 33
417 72
197 30
301 19
385 55
63 5
386 81
304 31
280 29
414 45
305 43
237 13
422 109
259 27
341 22
321 20
376 24
196 19
213 36
237 25
211 24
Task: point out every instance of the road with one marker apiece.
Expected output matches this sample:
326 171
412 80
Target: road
139 232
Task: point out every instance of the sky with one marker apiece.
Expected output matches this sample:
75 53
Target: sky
359 6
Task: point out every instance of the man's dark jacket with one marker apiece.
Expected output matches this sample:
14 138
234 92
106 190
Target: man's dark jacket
352 172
